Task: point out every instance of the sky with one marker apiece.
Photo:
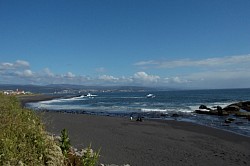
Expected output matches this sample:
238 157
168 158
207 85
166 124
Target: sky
188 44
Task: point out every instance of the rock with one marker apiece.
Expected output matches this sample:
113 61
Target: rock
246 106
235 107
218 108
175 115
227 121
202 112
204 107
220 112
163 115
231 119
232 109
242 114
211 112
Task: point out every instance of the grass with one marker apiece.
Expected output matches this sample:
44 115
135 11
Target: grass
24 141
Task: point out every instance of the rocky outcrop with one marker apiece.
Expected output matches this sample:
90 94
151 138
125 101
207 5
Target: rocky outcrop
231 109
235 107
212 112
240 109
209 111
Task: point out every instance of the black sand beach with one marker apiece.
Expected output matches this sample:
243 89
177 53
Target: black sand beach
151 142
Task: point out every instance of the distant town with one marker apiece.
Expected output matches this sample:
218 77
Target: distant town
67 89
15 92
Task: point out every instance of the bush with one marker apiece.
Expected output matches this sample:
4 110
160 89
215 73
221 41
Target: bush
90 158
23 140
65 142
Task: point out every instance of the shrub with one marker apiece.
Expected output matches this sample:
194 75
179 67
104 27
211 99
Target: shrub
23 139
90 158
65 142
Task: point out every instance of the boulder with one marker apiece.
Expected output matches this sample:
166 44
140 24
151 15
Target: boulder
232 108
175 115
202 112
227 121
246 106
237 106
211 112
204 107
231 119
242 114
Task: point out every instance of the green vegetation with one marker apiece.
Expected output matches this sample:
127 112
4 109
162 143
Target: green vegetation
65 142
90 158
24 141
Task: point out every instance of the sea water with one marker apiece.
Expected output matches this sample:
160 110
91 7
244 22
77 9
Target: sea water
174 105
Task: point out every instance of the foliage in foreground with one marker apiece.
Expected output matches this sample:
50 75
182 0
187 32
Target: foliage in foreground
85 157
24 141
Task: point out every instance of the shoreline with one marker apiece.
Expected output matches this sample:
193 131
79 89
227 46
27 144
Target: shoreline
150 142
42 97
36 98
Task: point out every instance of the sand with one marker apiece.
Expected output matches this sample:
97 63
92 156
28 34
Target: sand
151 142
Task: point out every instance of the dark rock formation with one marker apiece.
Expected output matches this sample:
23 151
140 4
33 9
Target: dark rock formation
204 107
175 115
233 108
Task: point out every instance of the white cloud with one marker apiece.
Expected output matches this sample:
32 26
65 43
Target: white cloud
146 78
108 78
216 77
209 62
69 75
6 65
21 63
48 72
175 79
25 73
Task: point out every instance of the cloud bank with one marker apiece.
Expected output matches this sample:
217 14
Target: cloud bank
210 62
222 72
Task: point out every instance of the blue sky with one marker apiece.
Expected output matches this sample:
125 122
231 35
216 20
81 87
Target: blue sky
179 44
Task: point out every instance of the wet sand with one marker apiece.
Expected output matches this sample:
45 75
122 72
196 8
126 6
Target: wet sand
151 142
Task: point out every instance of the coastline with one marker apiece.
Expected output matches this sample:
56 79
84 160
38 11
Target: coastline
36 98
151 142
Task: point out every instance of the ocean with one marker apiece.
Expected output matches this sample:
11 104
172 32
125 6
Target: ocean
166 105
